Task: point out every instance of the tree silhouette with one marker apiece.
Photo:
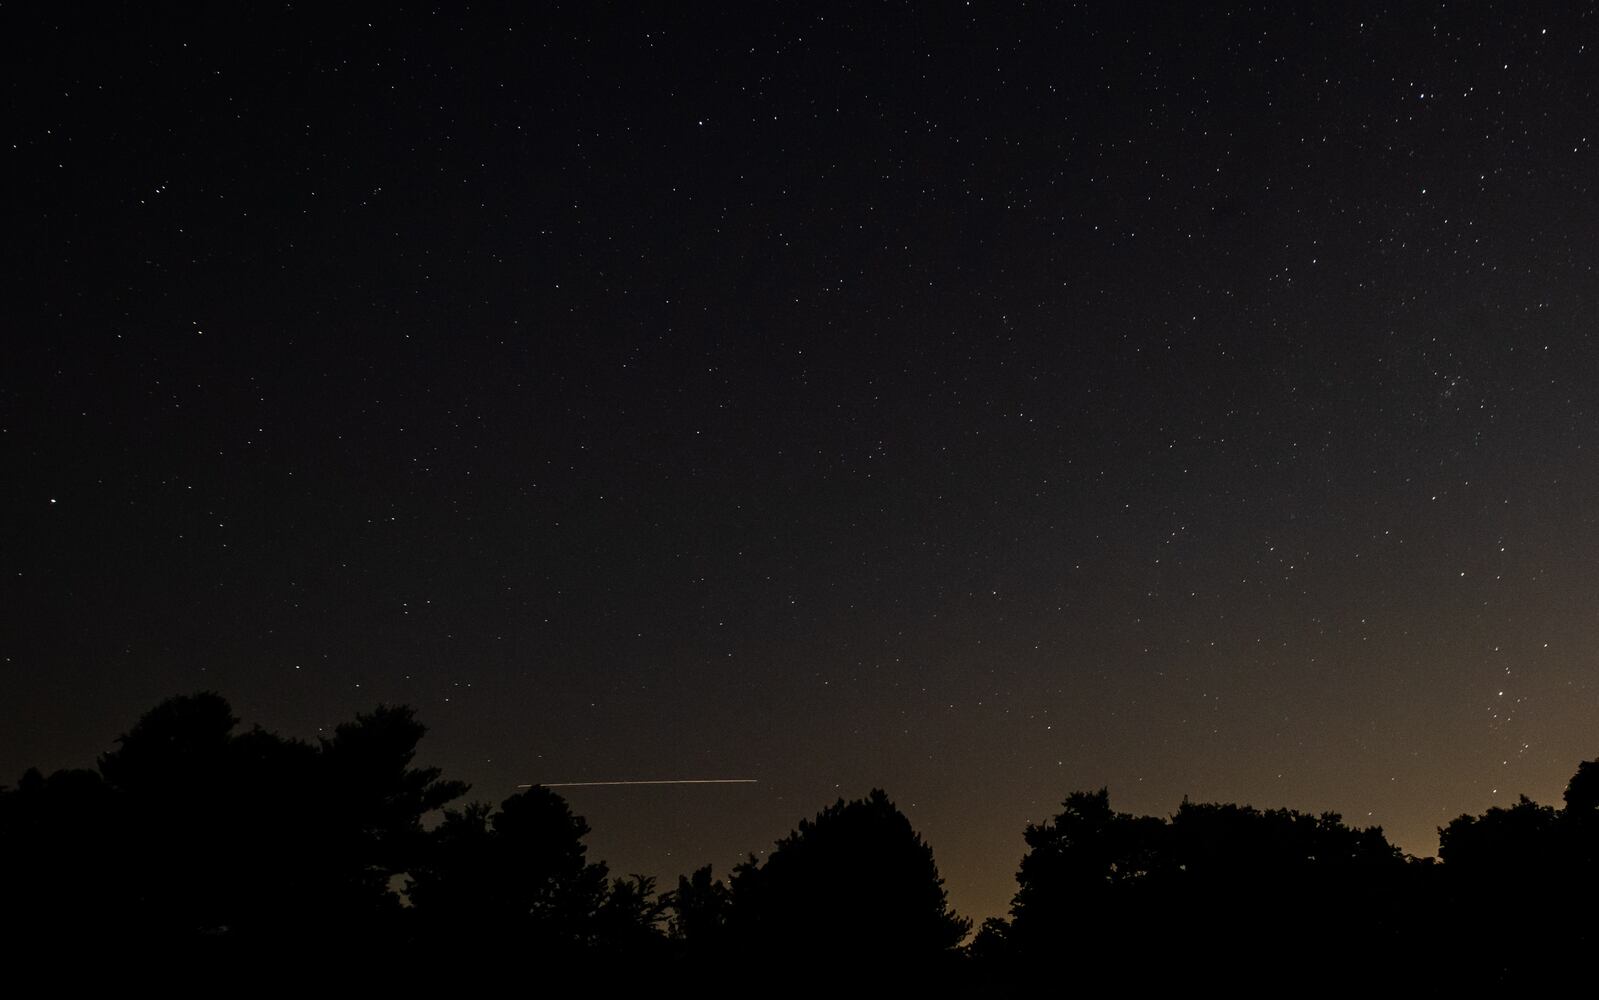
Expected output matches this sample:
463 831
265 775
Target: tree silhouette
63 865
701 908
1073 864
519 879
173 776
1296 886
372 802
175 748
1510 876
1505 843
197 840
856 883
628 923
1582 792
991 949
240 840
1213 879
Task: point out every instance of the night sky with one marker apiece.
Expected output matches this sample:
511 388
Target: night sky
979 403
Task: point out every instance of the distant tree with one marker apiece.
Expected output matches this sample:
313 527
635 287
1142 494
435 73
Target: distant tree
1073 864
205 835
1511 874
1579 847
545 879
991 946
371 803
1582 792
1281 847
63 868
1509 878
175 749
519 879
1296 885
1513 842
701 908
196 839
276 836
173 776
857 883
1290 887
628 922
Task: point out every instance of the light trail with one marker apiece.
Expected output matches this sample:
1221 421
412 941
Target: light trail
658 781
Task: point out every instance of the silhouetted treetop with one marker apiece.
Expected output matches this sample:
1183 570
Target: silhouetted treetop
1518 837
520 877
701 909
179 743
210 834
1123 887
372 757
194 839
856 880
1582 792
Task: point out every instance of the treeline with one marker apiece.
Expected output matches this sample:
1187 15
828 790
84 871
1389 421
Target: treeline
195 841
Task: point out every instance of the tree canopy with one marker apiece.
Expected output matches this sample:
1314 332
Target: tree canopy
854 882
195 837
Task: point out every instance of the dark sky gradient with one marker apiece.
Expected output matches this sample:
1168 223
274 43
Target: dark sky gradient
978 404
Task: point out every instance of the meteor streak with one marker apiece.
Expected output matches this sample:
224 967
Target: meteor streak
665 781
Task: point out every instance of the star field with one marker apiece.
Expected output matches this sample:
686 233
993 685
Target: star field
978 404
